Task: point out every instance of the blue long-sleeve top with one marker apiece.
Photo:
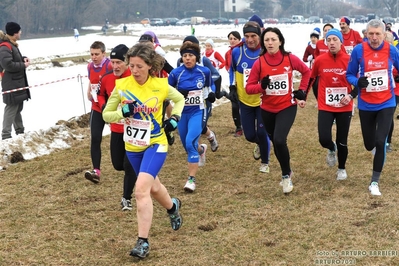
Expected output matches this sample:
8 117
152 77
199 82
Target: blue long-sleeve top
196 78
356 69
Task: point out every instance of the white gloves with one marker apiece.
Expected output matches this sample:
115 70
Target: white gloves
310 58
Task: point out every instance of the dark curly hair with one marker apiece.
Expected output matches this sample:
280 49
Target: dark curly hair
187 46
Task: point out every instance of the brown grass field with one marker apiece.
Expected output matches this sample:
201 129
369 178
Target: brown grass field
51 215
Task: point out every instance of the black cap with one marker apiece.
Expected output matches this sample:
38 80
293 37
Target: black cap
119 52
191 38
12 28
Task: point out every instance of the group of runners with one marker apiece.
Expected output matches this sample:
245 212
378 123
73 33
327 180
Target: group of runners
132 91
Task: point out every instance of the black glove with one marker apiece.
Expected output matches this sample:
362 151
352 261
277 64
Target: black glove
184 93
233 93
264 83
128 109
397 79
362 83
300 95
170 124
211 97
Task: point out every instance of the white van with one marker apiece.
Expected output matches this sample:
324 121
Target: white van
297 19
196 20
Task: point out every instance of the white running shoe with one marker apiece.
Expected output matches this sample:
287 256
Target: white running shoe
341 174
213 141
374 189
190 185
287 185
264 168
203 155
332 156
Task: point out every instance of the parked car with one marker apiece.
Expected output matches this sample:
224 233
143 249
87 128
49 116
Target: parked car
360 19
145 21
297 19
184 21
206 21
170 21
156 22
314 19
371 16
270 21
285 20
220 21
389 20
328 19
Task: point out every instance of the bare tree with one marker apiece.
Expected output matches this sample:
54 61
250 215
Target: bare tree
392 6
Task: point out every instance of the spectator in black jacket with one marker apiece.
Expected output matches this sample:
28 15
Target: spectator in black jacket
14 81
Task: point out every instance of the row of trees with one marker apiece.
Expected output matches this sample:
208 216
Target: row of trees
49 16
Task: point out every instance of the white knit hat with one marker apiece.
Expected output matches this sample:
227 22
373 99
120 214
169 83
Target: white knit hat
210 41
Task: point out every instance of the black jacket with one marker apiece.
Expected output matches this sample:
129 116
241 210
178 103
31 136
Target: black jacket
14 77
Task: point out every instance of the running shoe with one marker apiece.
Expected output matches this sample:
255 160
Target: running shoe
176 220
141 250
264 168
332 156
213 141
341 174
203 155
238 133
93 176
287 183
257 152
190 185
126 205
374 189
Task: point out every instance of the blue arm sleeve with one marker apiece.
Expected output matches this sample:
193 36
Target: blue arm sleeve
394 53
233 66
353 66
171 79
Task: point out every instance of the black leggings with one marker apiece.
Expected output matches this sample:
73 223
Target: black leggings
218 85
235 111
375 127
96 130
278 125
343 121
121 163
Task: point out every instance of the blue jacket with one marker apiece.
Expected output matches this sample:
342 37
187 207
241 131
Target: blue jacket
356 69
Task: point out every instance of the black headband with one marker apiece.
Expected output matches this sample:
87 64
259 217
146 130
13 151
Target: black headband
251 29
189 51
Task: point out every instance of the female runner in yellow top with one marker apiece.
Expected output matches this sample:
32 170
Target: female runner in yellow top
138 100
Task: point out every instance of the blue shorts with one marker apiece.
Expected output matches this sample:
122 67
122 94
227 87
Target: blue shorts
149 161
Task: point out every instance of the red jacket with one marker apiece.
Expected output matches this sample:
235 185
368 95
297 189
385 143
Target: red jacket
278 96
95 74
227 56
351 39
107 85
333 85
